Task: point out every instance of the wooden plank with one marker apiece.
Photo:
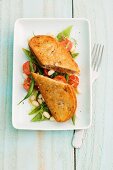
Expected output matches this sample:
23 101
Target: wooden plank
53 149
47 8
8 135
28 149
97 150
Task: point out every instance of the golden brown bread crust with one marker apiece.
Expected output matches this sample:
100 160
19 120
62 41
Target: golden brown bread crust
59 97
52 55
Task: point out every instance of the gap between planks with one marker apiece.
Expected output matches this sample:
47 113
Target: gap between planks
74 130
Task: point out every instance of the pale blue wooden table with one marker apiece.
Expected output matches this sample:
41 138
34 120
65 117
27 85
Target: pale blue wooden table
33 150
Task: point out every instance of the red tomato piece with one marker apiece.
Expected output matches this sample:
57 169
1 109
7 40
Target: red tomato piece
67 43
26 84
73 80
60 78
26 68
69 46
37 87
45 72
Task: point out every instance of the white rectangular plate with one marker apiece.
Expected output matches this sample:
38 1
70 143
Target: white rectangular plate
24 29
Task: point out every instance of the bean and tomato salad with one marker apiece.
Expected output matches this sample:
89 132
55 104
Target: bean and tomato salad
41 110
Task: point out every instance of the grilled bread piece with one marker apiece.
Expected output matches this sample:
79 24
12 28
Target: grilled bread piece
52 55
59 97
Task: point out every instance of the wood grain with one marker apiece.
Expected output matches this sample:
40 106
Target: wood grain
8 135
97 150
21 150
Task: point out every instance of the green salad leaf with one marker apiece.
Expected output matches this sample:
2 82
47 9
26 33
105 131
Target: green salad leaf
74 55
65 33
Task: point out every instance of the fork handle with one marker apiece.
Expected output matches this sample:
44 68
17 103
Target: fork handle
94 76
78 137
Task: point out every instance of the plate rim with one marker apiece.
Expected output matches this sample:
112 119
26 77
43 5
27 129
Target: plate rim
90 114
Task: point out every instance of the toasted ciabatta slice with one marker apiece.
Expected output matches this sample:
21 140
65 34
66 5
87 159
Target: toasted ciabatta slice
59 97
52 55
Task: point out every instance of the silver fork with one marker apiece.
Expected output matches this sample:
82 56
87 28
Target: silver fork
96 54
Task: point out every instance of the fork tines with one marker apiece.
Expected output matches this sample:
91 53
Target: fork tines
97 53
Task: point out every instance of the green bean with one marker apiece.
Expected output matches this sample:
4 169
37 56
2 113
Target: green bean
33 60
34 110
35 93
30 56
67 77
38 109
39 112
27 52
31 67
40 70
38 117
54 74
29 91
31 85
44 118
44 107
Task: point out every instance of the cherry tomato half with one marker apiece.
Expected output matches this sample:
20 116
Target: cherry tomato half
26 84
73 80
26 68
67 43
60 78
